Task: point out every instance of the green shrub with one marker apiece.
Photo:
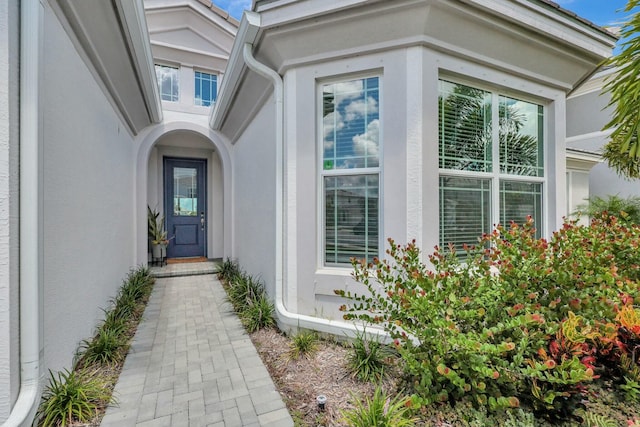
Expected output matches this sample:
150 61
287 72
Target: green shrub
137 286
304 343
627 209
379 411
487 327
258 314
367 358
596 420
243 290
125 307
228 270
105 348
71 397
114 321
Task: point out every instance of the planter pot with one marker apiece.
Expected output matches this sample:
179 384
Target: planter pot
158 250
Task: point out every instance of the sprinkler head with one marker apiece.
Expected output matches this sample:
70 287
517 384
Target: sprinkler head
321 400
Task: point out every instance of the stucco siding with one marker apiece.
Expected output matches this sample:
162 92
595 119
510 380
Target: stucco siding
408 144
254 159
9 233
88 197
587 113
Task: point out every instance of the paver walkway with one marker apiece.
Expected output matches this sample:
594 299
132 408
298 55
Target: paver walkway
192 364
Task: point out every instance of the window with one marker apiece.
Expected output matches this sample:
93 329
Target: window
491 162
167 82
206 90
350 172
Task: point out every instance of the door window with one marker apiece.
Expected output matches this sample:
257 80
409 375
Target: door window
185 191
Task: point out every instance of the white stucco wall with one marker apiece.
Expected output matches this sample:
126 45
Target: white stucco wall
254 196
9 146
88 198
409 146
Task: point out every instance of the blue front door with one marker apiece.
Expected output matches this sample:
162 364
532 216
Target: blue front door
185 206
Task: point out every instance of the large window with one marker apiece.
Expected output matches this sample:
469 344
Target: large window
206 89
491 162
167 82
350 171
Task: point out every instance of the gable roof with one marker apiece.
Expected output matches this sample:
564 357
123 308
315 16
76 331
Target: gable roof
193 32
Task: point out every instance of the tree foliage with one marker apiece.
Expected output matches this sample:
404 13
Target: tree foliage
622 153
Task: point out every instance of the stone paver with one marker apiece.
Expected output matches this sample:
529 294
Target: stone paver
192 364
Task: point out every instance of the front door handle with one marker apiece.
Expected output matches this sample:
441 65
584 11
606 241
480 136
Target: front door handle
202 221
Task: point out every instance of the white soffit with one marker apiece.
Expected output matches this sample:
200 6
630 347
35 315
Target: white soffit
247 33
114 37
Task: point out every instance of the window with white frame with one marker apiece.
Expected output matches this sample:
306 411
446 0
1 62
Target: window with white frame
167 82
350 173
491 162
206 88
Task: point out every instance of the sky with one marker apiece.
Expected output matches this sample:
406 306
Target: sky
605 13
235 7
601 12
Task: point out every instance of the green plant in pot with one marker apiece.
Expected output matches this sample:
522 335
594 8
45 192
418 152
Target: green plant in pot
157 233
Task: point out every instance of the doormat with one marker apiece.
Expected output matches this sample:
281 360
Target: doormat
186 260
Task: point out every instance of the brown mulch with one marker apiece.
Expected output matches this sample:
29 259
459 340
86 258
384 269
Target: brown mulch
301 381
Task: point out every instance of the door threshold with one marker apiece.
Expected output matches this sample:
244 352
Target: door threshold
186 260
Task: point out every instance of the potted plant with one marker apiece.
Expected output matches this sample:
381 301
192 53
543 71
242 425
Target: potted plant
157 234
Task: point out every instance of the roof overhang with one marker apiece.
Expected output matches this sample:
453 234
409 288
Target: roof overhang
525 38
114 38
247 33
581 160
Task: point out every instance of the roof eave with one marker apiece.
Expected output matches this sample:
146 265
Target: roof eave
247 33
137 36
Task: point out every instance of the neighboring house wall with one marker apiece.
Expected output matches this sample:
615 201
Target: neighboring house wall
254 196
9 214
88 199
587 114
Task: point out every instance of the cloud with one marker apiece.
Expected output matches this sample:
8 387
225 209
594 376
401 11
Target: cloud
330 123
234 7
367 143
348 90
356 109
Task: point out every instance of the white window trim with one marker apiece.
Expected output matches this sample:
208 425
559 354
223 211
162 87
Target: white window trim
322 266
495 175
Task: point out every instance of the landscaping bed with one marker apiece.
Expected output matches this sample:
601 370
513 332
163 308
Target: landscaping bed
516 331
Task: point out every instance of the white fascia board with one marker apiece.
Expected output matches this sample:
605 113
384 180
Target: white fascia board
592 40
137 36
581 160
228 24
247 33
190 50
298 10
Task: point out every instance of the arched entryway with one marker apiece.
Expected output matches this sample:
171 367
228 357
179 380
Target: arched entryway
183 171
